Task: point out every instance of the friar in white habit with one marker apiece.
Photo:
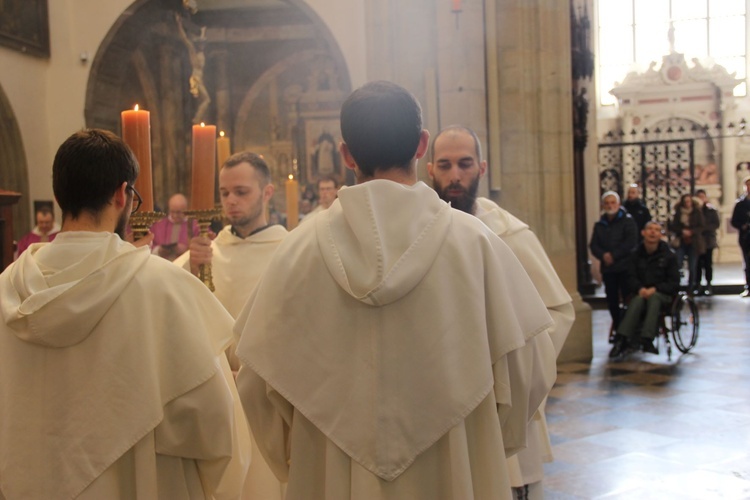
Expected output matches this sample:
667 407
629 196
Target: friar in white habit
238 256
455 170
394 348
113 378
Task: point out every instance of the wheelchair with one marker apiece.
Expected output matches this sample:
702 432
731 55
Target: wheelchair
681 321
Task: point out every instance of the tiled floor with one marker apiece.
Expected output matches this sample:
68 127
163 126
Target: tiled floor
649 428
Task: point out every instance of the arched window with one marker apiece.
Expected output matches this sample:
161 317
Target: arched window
633 33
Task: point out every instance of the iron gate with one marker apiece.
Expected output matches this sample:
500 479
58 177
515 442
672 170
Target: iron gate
664 169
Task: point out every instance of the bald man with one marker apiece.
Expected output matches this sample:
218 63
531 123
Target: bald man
172 234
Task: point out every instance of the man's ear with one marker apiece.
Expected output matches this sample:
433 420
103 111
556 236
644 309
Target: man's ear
347 156
268 192
424 142
120 198
482 167
430 170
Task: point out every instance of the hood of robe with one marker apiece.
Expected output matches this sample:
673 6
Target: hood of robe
98 354
526 246
50 301
500 221
379 250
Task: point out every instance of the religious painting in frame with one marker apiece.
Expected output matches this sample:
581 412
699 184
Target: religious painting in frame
322 139
24 26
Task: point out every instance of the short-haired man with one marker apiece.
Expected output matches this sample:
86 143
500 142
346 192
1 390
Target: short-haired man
421 350
44 231
238 256
636 208
741 221
239 253
654 276
455 170
615 236
172 234
112 370
328 188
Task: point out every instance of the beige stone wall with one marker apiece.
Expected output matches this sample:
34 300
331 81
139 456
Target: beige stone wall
47 95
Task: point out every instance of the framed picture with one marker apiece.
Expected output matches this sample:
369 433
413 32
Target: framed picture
24 26
322 138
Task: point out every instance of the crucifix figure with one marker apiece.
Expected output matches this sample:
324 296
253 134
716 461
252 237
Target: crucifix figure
670 37
198 62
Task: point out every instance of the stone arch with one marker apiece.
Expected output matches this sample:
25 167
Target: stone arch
141 60
259 84
14 174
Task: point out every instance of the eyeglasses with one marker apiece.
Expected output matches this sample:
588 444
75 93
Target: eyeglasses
137 200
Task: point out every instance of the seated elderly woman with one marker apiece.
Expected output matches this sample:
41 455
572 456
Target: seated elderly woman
654 276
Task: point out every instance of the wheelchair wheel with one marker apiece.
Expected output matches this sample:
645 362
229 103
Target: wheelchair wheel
685 323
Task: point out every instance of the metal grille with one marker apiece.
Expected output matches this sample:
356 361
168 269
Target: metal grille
665 170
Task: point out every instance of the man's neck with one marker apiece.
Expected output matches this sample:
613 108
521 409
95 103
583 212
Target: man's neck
651 247
406 176
247 230
88 222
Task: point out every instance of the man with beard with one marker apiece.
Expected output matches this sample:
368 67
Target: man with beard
455 171
238 256
112 370
614 237
371 363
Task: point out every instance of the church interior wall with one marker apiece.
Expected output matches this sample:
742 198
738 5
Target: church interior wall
440 55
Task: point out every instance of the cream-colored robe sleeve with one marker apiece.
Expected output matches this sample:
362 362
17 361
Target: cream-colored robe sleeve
270 418
208 424
525 368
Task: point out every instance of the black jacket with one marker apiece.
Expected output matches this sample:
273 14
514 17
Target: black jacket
618 236
711 225
741 220
658 269
640 213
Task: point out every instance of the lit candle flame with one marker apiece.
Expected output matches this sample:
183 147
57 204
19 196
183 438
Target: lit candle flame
221 133
136 107
203 124
291 177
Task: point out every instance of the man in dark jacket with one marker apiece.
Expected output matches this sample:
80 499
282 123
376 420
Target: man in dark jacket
741 221
654 276
615 236
637 209
711 223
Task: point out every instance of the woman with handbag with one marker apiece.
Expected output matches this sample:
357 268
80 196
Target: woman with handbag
687 237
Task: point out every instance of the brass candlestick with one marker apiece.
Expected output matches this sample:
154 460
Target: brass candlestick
140 222
204 218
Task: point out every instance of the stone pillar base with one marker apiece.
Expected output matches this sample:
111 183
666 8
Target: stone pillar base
579 345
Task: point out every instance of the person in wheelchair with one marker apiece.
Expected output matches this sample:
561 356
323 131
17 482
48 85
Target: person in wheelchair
654 276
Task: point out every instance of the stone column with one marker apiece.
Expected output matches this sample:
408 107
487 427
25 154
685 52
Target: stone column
525 118
536 137
462 75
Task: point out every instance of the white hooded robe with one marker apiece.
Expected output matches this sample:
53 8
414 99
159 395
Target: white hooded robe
236 267
394 348
113 381
526 466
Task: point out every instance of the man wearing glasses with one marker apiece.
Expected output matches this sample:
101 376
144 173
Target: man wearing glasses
112 370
